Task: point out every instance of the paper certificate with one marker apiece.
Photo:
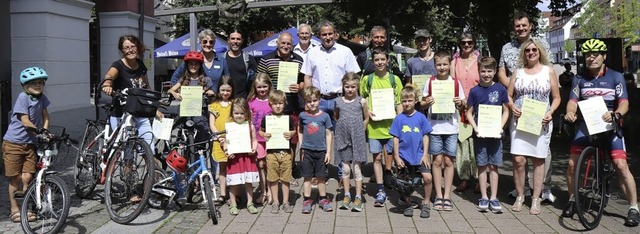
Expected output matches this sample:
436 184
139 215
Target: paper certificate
191 104
419 81
276 126
533 112
287 75
489 121
592 111
162 129
383 104
443 93
465 131
238 138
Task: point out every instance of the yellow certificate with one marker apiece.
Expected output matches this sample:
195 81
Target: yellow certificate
383 104
238 137
533 112
191 104
592 111
465 131
287 75
443 93
489 121
420 81
276 126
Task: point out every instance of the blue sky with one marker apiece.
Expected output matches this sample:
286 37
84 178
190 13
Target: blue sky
544 5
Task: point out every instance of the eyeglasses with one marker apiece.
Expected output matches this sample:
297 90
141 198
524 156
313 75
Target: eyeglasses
206 42
532 50
467 42
130 48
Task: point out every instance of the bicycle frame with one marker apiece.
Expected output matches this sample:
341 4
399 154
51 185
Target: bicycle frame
200 172
46 151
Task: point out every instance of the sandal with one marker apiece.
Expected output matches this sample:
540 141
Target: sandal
517 206
15 217
437 204
221 199
135 199
233 210
31 216
535 206
447 205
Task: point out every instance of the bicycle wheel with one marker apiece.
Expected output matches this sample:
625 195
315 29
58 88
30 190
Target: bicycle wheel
87 169
128 185
55 204
158 201
208 192
589 189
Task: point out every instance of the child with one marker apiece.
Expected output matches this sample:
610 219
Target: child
219 113
488 150
380 143
315 133
18 145
195 77
410 144
242 168
259 105
444 138
350 139
278 160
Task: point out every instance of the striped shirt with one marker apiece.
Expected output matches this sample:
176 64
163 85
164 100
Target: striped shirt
269 64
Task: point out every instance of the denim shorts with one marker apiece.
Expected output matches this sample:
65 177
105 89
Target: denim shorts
443 144
488 151
375 145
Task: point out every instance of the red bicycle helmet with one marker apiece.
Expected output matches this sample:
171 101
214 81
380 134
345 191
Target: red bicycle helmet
176 162
193 56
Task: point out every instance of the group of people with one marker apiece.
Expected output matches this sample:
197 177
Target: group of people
334 114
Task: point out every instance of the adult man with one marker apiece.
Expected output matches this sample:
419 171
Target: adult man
365 61
242 66
601 81
422 62
508 64
304 41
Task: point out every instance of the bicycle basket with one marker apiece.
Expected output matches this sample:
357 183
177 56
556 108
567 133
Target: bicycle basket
142 102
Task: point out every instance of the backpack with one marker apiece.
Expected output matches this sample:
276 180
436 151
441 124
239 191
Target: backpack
392 80
245 57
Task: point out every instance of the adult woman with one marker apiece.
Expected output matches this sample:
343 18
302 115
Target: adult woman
465 69
214 65
538 81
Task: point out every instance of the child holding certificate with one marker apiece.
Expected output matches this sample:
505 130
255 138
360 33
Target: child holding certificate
242 168
441 94
488 150
278 157
259 105
315 134
219 112
350 139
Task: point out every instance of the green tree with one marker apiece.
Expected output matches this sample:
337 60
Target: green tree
592 20
570 45
627 21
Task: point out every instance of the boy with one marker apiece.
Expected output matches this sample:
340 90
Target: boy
444 138
488 150
278 160
316 134
410 131
19 143
380 143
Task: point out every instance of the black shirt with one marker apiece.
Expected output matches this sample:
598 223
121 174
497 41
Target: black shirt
127 78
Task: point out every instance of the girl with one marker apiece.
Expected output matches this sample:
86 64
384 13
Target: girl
259 105
350 140
219 113
242 168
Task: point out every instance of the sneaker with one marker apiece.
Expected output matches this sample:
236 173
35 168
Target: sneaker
325 204
569 209
287 208
357 205
252 209
408 212
633 217
527 192
425 211
307 206
548 196
483 204
275 208
346 203
381 198
495 206
233 210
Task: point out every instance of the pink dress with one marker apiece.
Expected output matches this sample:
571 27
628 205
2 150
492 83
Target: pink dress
259 109
242 169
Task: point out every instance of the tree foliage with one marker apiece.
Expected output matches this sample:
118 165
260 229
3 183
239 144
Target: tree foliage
627 21
570 46
592 20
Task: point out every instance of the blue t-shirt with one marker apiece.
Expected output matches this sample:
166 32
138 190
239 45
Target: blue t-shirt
610 85
495 94
417 66
314 130
410 129
16 132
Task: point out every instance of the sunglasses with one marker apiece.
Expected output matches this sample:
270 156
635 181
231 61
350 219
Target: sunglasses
532 50
206 42
467 42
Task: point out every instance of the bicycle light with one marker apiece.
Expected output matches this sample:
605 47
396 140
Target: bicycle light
190 123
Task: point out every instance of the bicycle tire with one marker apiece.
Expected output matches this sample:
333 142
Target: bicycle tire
208 192
589 189
113 194
87 173
158 201
58 191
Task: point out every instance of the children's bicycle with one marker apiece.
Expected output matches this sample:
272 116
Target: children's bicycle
47 197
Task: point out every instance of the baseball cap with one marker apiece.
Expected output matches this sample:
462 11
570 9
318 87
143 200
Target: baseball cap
421 33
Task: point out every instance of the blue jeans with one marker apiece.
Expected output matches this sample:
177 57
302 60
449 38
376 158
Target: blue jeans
142 124
327 106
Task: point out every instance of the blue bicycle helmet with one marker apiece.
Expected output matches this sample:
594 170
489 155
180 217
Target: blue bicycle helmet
32 73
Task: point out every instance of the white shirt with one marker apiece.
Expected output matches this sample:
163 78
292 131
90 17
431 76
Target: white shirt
444 124
303 53
327 67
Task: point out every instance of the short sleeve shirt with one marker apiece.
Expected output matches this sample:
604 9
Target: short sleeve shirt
610 85
379 129
328 66
511 51
417 66
313 129
444 123
495 94
410 129
127 78
259 109
16 132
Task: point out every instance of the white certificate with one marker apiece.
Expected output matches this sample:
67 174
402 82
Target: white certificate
191 104
443 93
238 138
383 104
287 75
489 121
533 112
419 81
162 129
276 126
592 111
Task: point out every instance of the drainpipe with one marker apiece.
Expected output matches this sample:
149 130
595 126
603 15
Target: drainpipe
141 21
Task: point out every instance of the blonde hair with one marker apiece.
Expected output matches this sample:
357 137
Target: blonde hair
309 92
260 77
409 92
277 96
542 52
243 106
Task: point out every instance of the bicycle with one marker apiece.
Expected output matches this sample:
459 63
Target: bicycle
47 195
120 160
170 188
